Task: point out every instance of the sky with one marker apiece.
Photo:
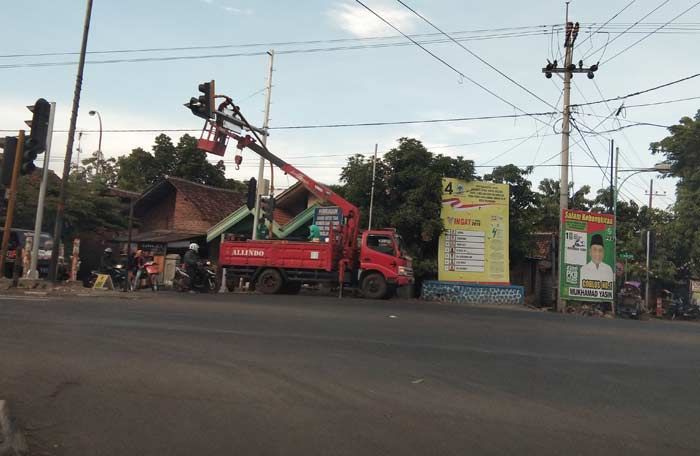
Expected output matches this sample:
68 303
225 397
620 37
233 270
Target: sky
396 82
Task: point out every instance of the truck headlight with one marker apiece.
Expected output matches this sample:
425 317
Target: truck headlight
405 271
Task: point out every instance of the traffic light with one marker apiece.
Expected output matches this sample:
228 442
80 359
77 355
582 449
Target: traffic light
204 105
252 193
38 130
267 207
8 159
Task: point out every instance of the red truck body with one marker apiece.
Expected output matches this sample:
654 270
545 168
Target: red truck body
377 265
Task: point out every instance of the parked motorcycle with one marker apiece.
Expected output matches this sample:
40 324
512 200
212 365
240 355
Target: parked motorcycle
205 283
150 271
629 303
118 274
682 310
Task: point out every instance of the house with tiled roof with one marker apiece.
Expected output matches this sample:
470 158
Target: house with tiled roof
175 212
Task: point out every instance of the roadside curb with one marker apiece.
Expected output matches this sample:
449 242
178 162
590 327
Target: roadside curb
12 442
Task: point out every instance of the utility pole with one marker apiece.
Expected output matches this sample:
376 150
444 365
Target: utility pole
568 69
33 272
60 209
647 286
12 199
613 209
261 166
371 195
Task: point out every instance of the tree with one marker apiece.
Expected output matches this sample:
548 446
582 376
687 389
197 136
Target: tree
548 204
141 169
523 211
681 237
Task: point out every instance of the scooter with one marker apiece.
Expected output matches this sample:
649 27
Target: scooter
206 284
150 271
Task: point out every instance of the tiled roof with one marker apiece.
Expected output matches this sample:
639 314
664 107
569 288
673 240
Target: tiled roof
213 203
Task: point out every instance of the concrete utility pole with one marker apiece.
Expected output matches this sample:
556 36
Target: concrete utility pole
261 167
33 272
647 286
58 228
571 33
371 195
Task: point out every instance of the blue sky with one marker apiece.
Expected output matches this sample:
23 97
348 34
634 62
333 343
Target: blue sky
380 84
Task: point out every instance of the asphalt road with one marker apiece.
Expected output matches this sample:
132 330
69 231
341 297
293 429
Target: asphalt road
257 375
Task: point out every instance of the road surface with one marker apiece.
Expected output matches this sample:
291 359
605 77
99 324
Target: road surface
305 375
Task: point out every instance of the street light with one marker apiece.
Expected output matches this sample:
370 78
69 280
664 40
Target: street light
99 144
663 168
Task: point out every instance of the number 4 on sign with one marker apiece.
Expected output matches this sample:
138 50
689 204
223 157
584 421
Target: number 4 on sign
448 189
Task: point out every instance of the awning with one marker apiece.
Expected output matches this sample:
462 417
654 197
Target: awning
161 236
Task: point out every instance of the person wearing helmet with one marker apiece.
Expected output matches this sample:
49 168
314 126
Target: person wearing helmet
191 261
107 261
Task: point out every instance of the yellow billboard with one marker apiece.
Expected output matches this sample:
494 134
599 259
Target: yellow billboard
474 245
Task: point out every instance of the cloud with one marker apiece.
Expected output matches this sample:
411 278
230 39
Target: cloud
239 11
361 23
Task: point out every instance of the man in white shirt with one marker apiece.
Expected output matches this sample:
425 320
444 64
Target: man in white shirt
596 269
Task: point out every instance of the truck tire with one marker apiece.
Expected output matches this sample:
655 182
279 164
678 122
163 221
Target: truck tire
269 282
374 286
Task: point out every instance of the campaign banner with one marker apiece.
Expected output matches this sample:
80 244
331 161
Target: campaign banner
474 246
587 256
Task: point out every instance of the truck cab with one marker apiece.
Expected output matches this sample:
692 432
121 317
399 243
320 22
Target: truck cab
384 264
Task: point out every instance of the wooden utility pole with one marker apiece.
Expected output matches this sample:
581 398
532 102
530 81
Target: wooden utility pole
12 199
261 166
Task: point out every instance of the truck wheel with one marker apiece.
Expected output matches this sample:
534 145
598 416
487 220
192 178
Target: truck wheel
269 282
374 286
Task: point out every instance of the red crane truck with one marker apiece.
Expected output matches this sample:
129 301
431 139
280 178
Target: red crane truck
375 261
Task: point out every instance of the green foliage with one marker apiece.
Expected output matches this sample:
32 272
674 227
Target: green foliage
523 213
681 237
141 169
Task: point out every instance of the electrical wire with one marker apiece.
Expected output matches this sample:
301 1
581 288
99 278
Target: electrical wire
662 102
628 29
250 54
475 55
444 62
634 94
608 21
650 33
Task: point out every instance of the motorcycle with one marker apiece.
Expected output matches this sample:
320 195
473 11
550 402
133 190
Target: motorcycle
679 309
150 271
206 283
118 274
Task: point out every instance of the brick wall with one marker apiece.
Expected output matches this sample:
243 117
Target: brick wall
160 217
187 217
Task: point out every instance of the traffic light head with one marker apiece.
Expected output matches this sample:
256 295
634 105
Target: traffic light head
39 126
252 193
35 143
203 106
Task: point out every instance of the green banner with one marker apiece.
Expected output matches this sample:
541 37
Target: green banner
587 256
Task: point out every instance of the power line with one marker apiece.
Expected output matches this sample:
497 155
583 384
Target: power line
628 28
634 94
318 126
475 55
650 33
608 21
275 44
442 60
528 30
256 53
662 102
